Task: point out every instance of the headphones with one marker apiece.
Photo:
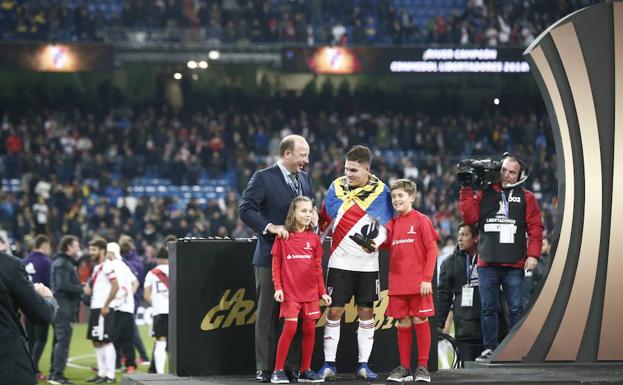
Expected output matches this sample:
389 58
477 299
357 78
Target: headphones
523 168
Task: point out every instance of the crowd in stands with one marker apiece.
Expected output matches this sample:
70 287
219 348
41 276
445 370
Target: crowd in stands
357 22
74 172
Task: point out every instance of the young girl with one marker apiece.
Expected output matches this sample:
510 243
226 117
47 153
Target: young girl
297 275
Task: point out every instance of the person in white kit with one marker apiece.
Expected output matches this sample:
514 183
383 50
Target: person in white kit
103 290
357 207
157 294
123 329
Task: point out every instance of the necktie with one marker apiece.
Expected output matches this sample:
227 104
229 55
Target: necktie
295 183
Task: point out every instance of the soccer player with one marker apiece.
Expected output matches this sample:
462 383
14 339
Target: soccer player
413 253
357 205
297 276
103 290
157 294
124 309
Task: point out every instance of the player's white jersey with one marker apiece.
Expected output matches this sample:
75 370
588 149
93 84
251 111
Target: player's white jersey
124 300
160 289
100 281
347 254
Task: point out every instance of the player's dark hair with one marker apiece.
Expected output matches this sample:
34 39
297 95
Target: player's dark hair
100 243
359 154
163 253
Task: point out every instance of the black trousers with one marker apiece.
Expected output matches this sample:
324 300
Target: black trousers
37 338
124 332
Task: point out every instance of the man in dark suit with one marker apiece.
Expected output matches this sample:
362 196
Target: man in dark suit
37 304
263 207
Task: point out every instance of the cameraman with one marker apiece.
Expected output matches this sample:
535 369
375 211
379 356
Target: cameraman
505 213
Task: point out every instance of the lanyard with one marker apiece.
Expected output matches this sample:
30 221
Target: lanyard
470 265
505 202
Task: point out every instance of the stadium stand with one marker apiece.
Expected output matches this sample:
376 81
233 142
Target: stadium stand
361 22
123 170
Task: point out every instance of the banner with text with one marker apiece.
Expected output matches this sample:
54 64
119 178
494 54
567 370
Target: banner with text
338 60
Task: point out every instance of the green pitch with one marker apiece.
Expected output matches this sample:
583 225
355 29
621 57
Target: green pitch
82 355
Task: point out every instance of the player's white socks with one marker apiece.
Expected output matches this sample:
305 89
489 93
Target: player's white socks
331 339
101 361
160 356
365 339
110 357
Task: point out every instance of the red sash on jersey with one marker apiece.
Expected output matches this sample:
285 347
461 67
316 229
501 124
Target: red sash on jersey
161 276
96 274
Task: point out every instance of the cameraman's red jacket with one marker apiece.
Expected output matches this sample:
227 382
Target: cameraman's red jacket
469 204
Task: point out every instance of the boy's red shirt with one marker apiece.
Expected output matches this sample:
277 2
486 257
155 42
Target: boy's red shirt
413 252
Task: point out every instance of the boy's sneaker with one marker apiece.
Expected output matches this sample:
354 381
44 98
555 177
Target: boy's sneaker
327 372
279 377
364 371
400 374
485 356
421 374
310 376
94 379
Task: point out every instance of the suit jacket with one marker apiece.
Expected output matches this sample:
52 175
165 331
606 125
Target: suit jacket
266 200
16 291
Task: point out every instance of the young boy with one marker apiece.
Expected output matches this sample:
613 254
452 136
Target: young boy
413 253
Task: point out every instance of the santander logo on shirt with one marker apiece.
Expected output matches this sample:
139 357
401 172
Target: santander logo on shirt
401 241
405 240
298 256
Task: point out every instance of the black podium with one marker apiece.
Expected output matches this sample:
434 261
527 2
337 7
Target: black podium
212 314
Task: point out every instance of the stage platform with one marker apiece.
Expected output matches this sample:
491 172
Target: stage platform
477 374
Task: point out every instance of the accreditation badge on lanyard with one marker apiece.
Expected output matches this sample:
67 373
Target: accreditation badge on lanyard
507 230
467 292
